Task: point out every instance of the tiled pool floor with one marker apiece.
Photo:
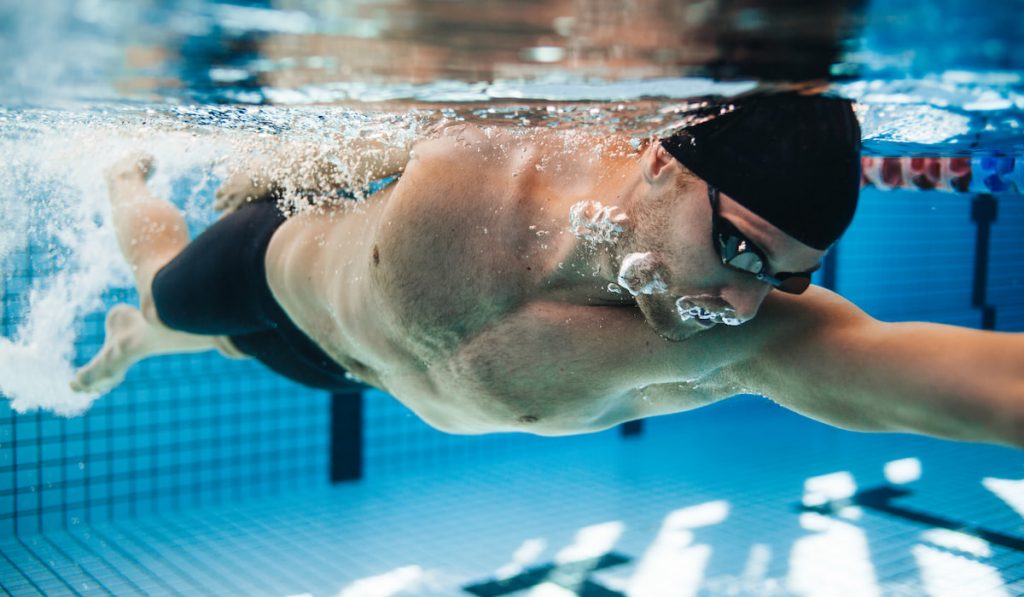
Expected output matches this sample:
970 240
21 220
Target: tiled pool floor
764 504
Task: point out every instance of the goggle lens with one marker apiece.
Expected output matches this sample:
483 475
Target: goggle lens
743 259
737 252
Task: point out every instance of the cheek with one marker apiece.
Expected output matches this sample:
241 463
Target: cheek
692 262
681 241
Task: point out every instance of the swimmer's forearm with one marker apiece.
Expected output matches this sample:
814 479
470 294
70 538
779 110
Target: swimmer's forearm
939 380
819 355
350 164
365 158
347 164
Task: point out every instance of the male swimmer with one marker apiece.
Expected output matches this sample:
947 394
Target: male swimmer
561 283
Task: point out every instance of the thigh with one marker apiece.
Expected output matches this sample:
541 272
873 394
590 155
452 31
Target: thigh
217 285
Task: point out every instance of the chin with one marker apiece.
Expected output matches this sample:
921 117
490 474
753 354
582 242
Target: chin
660 314
684 331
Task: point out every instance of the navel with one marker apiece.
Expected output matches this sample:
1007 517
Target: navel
376 255
527 419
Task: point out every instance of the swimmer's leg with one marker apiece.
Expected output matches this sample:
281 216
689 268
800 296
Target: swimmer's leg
130 337
150 232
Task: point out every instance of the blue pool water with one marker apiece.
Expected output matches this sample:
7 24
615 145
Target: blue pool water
203 475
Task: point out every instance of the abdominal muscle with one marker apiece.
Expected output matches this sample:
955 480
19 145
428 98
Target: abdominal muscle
312 265
319 270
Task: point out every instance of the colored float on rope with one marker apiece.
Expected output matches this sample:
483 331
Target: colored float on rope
982 174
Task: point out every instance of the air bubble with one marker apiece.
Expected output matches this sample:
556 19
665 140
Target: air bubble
596 223
638 275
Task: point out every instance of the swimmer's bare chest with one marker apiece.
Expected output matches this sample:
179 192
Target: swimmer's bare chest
438 296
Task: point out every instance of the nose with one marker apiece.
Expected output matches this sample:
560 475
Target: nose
745 299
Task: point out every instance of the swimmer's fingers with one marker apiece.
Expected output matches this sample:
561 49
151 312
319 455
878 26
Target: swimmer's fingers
240 188
225 200
437 129
434 129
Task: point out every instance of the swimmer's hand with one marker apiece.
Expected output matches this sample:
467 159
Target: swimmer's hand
241 187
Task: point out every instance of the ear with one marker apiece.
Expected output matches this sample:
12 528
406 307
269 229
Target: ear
655 162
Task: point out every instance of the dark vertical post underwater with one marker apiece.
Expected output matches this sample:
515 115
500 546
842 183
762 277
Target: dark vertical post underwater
984 209
346 435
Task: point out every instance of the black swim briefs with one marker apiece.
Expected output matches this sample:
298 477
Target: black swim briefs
217 286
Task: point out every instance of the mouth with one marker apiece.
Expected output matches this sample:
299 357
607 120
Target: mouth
691 311
662 318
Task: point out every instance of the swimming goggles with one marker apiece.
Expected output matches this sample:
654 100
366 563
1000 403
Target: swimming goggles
740 253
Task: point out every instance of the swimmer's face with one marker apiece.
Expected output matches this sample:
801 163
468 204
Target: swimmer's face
671 224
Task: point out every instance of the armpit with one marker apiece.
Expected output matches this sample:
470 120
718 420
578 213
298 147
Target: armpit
668 398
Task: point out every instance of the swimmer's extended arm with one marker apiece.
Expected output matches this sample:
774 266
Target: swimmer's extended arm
822 357
344 163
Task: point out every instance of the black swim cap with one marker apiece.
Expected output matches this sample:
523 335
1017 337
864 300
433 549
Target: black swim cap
792 159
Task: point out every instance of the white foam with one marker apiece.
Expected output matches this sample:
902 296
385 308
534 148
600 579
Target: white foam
55 191
695 307
638 275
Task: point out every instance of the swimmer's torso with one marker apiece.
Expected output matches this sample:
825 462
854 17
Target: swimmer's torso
446 291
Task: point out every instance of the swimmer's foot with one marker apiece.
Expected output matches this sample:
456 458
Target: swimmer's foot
123 345
134 167
126 180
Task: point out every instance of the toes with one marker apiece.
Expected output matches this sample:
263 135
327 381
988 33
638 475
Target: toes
81 382
84 380
100 375
88 382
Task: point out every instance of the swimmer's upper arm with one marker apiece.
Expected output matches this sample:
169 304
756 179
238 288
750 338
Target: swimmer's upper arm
819 355
347 163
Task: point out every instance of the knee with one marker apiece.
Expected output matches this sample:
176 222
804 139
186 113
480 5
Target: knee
160 290
227 348
148 308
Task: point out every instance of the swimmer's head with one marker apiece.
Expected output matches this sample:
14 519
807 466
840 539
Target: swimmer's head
792 159
716 257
